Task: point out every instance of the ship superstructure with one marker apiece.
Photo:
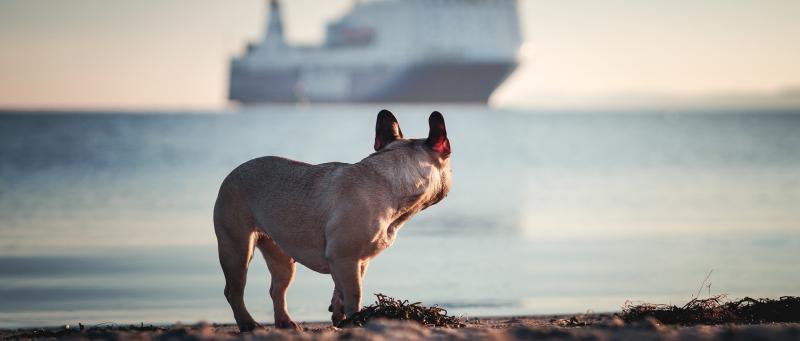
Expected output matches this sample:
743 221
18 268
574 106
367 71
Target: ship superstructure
386 51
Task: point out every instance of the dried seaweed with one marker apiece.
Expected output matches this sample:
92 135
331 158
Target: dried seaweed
390 308
714 310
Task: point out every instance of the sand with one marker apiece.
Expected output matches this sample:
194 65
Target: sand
594 327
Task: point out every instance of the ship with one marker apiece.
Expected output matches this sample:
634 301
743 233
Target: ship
390 51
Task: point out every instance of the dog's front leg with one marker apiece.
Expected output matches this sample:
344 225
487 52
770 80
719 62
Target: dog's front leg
336 307
347 277
336 301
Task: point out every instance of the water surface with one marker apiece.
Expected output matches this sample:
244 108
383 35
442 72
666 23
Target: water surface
107 216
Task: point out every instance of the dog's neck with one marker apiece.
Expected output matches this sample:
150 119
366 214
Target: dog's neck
415 178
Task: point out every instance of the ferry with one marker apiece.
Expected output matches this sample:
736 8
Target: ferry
390 51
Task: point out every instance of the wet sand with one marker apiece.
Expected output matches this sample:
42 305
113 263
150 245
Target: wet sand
581 327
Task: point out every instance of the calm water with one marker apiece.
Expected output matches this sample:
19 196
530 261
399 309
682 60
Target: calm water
107 217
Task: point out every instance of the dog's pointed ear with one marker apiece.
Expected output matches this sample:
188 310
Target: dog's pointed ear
437 136
387 129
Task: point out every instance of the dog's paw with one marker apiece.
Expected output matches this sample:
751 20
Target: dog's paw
337 318
288 324
248 327
346 323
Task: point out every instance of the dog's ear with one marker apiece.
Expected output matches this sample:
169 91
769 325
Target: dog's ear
437 136
387 129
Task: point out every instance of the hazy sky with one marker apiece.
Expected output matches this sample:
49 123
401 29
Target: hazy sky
174 53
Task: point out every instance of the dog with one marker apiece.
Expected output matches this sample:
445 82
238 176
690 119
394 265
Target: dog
331 217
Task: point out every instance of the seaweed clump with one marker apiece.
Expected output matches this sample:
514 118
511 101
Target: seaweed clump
714 310
390 308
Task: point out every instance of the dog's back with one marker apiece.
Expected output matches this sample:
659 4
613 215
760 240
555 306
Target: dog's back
281 198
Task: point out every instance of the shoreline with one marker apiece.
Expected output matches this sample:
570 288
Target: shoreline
552 327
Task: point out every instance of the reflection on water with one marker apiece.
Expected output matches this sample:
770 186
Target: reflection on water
108 217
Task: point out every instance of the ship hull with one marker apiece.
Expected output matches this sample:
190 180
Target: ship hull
425 82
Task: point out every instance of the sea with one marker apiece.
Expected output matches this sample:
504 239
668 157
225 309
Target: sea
106 217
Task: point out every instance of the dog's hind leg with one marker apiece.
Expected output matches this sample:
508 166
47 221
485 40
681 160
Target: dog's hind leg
281 269
234 257
236 233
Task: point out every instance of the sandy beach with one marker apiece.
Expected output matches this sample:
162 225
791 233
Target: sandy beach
577 327
399 170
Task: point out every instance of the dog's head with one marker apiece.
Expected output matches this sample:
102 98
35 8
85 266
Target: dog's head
431 155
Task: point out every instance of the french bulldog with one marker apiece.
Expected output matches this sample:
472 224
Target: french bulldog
331 217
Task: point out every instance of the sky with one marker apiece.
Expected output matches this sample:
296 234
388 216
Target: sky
165 54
